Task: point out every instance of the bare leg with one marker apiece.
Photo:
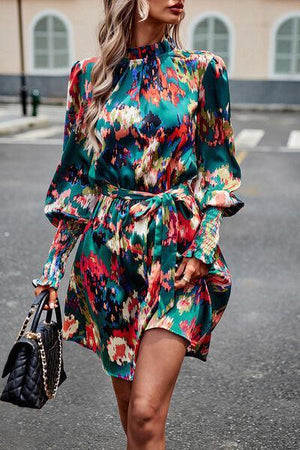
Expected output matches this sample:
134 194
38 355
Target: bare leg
122 390
159 360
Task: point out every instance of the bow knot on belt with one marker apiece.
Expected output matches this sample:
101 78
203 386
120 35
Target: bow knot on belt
164 207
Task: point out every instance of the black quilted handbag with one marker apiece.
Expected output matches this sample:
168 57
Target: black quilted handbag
35 363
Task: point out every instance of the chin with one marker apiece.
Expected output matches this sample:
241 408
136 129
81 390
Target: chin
171 19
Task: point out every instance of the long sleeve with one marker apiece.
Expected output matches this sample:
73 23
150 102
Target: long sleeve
219 173
71 196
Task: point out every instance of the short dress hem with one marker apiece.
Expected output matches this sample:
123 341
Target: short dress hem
131 377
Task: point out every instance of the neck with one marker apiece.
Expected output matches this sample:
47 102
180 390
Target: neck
145 33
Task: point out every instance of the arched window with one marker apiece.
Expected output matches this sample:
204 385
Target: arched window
212 33
287 47
51 43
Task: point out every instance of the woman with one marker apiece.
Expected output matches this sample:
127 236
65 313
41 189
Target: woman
147 172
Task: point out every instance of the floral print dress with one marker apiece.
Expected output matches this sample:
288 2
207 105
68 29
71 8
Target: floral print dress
155 190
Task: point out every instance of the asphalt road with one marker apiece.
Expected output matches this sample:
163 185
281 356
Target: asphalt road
245 396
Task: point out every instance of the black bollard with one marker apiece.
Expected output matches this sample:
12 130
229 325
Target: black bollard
35 97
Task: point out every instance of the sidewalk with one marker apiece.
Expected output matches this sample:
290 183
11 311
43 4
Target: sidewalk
12 120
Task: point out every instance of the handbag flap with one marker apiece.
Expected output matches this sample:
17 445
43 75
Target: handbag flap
23 343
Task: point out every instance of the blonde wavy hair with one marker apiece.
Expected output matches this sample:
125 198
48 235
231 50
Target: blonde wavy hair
115 33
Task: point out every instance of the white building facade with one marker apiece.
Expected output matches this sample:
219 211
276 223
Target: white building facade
258 39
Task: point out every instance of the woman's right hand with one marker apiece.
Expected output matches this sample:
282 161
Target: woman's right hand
52 296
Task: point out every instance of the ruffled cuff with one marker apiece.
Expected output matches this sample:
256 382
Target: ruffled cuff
228 201
63 242
45 281
206 241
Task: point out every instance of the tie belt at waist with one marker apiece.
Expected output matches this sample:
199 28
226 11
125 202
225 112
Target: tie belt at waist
164 207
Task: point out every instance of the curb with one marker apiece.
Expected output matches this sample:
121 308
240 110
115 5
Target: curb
12 100
22 124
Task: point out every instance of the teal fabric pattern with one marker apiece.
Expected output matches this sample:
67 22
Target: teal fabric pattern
155 190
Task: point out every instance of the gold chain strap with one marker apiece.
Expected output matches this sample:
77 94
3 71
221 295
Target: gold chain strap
24 325
44 364
42 352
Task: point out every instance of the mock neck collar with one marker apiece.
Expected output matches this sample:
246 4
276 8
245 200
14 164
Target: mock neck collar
164 45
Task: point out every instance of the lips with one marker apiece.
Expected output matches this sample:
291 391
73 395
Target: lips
177 5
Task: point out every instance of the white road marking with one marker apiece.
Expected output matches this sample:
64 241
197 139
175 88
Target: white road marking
294 139
249 138
39 133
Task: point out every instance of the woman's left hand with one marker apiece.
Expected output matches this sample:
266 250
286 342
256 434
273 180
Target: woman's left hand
189 271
